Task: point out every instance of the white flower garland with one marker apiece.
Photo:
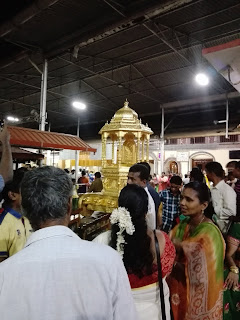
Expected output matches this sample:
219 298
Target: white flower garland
122 217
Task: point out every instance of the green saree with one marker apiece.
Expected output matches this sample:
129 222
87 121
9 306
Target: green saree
196 288
231 298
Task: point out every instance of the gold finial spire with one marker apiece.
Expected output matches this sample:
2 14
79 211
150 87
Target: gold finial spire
126 103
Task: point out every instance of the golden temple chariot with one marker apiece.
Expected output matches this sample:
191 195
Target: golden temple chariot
126 132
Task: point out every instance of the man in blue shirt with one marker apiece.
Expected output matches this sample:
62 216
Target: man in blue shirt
170 199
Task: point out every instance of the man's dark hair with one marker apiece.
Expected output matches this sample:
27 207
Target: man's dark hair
147 165
196 175
216 168
235 164
143 171
83 173
185 175
45 195
176 180
97 175
13 185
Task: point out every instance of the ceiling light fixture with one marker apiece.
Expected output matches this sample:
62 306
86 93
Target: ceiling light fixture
79 105
12 119
202 79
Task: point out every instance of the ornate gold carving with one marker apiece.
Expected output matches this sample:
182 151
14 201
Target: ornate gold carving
142 149
129 150
98 202
119 154
127 130
147 150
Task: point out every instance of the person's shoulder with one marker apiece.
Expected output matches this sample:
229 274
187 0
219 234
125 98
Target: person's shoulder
103 238
3 217
91 253
161 236
209 227
163 193
7 219
166 192
106 257
237 182
227 188
151 190
12 262
101 252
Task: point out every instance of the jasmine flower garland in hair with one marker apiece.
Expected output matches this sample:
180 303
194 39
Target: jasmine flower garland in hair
122 217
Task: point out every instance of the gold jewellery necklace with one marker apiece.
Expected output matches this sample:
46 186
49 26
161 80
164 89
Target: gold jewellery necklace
192 228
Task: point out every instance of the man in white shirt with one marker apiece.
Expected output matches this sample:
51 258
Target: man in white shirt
186 179
223 196
58 276
138 174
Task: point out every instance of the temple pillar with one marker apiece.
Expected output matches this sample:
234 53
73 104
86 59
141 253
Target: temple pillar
147 150
104 145
112 151
143 149
138 148
119 160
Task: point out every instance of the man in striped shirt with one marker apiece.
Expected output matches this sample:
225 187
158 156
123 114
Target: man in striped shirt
234 168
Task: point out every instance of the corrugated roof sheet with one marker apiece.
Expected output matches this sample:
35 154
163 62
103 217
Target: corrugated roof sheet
162 76
46 140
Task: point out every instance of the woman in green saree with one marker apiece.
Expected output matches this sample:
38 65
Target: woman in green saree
196 283
231 297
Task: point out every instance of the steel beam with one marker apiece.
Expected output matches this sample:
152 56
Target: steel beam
133 20
162 140
194 101
114 8
25 15
106 78
43 97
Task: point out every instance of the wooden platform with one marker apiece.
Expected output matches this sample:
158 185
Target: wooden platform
89 227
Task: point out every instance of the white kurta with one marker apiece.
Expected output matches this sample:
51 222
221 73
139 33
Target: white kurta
58 276
224 203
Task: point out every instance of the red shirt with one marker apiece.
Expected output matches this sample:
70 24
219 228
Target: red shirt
167 260
83 180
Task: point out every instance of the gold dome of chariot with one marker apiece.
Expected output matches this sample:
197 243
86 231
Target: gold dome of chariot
125 119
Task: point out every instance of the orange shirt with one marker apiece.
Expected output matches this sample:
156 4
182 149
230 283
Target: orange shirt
83 180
